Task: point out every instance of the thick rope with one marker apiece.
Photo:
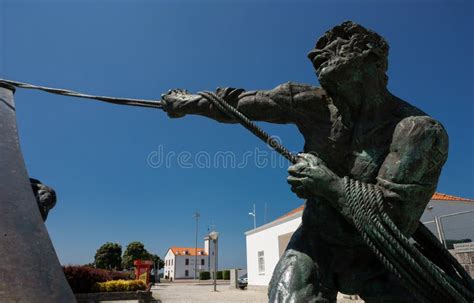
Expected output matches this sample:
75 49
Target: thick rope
366 204
232 112
446 260
70 93
382 249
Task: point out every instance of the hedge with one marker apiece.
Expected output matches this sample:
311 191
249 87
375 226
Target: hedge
120 285
122 275
226 274
204 275
83 279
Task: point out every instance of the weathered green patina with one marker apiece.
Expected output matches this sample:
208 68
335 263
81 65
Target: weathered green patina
353 127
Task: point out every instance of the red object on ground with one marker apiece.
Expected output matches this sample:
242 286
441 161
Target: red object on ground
142 270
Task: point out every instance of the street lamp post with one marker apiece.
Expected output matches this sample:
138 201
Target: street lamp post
214 235
254 215
196 216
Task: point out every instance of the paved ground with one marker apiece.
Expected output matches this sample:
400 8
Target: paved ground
190 291
183 292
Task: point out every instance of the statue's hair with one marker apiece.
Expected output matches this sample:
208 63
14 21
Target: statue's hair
363 40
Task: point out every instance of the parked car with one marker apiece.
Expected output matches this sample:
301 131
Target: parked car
243 281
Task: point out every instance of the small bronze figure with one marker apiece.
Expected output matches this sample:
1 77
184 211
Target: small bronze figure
45 197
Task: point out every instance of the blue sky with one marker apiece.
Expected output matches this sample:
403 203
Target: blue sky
95 155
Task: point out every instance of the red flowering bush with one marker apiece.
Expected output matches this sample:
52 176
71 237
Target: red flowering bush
121 275
82 279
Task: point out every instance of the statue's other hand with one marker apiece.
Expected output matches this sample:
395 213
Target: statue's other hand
310 177
175 101
45 197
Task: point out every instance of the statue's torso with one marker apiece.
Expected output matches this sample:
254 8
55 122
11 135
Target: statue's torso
348 151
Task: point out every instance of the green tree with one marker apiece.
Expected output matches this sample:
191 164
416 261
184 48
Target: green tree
157 260
109 256
135 250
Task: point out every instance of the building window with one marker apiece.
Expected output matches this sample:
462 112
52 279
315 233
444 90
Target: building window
186 273
186 262
261 262
202 261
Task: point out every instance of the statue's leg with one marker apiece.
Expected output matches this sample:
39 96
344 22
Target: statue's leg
297 276
385 288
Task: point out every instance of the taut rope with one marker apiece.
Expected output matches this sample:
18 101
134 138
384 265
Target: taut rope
70 93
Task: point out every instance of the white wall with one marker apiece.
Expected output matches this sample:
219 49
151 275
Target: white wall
181 267
178 267
455 227
266 240
168 270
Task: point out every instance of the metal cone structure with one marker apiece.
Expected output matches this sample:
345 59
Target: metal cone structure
29 269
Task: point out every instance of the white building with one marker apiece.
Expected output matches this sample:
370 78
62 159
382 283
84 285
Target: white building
267 243
179 261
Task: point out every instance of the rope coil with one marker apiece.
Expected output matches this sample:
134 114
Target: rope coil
426 281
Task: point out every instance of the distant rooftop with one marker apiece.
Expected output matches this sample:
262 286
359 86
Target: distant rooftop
436 197
445 197
188 251
295 213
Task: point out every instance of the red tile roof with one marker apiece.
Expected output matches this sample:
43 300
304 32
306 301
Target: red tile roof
187 251
445 197
436 196
294 211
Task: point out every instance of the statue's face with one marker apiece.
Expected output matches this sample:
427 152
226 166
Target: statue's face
347 54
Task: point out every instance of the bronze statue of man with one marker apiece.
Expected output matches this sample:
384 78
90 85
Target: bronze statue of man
353 126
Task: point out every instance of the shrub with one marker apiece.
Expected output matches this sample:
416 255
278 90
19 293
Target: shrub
219 275
121 275
204 275
226 274
120 285
82 279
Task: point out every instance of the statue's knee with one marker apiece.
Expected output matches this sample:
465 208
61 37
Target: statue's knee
294 271
295 261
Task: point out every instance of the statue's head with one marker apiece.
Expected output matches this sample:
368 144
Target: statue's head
349 53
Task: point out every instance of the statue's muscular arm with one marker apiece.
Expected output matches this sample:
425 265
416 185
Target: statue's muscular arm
410 172
408 176
286 103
